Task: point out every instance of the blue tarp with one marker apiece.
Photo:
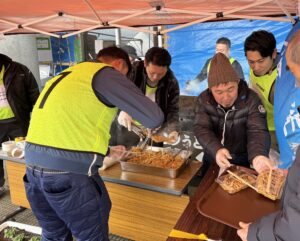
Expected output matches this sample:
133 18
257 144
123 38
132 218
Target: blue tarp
190 47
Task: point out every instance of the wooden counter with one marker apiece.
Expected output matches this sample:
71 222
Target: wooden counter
15 173
192 221
145 207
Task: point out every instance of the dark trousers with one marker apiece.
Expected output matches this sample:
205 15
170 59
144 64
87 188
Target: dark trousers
8 131
68 204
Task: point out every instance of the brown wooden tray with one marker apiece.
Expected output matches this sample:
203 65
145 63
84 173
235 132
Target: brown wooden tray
246 205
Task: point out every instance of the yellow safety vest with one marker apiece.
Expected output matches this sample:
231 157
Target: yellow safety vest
5 109
68 115
231 60
149 91
264 84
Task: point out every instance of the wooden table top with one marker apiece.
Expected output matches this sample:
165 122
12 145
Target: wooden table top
155 183
192 221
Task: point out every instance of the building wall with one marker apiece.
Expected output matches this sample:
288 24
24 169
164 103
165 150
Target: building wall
22 48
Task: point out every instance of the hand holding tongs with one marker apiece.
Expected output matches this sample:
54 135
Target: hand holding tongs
138 131
142 133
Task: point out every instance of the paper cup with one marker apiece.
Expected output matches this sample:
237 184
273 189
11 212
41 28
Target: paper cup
8 146
17 152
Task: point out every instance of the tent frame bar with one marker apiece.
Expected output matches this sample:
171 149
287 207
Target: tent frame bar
206 16
215 15
285 11
259 18
113 24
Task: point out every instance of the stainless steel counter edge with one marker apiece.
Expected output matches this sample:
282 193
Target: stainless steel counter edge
142 186
113 180
10 158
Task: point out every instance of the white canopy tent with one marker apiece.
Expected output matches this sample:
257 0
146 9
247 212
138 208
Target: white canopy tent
76 16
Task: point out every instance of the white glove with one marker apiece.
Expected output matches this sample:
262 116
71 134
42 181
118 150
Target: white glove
117 152
125 120
222 157
173 136
261 163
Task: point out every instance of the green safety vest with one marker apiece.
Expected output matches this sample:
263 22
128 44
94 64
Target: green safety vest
231 60
5 109
264 85
68 115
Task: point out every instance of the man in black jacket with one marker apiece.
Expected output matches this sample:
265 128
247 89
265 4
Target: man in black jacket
230 121
156 80
18 93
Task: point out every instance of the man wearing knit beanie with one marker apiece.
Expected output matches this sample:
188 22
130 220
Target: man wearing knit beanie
230 120
221 71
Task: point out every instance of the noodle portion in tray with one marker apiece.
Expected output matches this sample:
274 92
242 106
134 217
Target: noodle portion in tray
270 183
163 159
157 161
231 184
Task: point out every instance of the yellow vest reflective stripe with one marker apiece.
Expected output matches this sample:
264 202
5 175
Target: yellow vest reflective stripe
231 60
68 114
263 85
5 109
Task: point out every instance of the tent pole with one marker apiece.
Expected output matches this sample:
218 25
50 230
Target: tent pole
257 17
118 37
16 26
42 19
5 21
133 28
189 24
83 30
93 10
9 29
80 18
285 11
172 10
41 31
248 6
213 16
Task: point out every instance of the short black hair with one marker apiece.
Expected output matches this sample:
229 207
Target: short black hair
262 41
158 56
115 53
225 41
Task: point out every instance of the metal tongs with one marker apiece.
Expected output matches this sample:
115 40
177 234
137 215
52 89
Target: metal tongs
142 134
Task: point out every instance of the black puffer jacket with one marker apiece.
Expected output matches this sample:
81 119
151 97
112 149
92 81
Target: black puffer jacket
21 89
167 94
245 124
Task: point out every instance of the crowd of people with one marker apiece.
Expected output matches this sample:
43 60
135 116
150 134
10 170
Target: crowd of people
234 123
